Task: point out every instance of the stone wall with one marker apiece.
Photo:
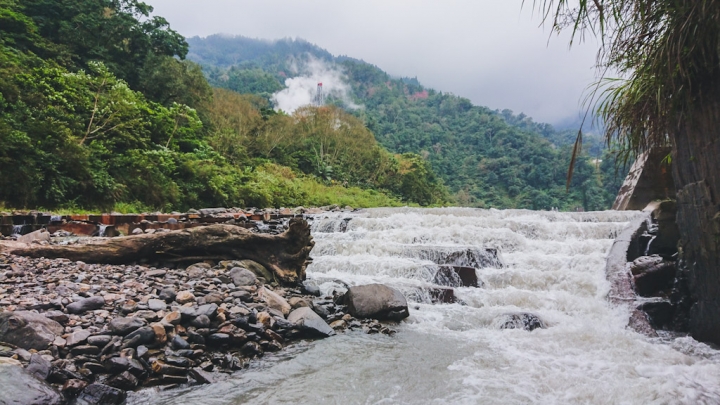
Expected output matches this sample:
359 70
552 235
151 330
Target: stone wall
696 172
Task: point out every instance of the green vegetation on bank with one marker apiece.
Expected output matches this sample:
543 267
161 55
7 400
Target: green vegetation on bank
99 110
486 158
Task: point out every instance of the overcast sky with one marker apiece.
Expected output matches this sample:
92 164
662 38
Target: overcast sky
493 52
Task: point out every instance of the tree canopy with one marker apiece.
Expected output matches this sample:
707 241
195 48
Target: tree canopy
98 110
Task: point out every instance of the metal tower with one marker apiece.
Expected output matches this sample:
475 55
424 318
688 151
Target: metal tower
319 97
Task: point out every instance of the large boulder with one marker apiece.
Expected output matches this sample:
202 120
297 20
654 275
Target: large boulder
652 275
521 320
376 301
101 394
28 330
21 388
242 277
310 322
41 235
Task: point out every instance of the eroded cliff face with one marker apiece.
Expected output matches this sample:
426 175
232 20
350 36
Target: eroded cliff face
696 172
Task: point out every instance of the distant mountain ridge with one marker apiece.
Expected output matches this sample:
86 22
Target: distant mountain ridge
488 158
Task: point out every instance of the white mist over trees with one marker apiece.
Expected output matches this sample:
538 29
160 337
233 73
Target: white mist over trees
301 90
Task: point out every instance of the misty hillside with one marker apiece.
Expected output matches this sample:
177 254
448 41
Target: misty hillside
488 158
86 124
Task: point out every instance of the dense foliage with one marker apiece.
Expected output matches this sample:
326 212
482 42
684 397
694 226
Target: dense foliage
487 158
98 109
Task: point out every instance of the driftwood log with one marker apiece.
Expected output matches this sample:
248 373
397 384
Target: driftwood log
286 255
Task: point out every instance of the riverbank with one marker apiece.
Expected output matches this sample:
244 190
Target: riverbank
95 331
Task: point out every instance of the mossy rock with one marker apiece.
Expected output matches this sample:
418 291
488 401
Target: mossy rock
258 269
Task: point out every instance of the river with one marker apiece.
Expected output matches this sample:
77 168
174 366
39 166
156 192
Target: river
551 264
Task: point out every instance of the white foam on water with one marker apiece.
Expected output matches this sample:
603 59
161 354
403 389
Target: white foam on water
552 266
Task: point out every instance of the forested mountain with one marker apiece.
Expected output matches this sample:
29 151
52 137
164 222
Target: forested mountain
488 158
100 110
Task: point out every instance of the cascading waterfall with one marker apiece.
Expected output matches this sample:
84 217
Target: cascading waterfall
102 229
17 230
547 264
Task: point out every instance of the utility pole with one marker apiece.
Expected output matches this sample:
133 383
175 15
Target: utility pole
319 97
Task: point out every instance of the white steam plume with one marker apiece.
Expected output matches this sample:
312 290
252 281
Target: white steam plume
301 90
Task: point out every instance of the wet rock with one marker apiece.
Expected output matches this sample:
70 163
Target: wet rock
251 349
59 342
660 313
274 301
311 288
201 321
523 320
85 349
156 305
94 367
156 273
376 301
129 307
160 367
73 387
123 326
183 297
87 304
99 340
39 367
338 325
457 276
242 295
242 277
195 338
652 275
77 337
140 336
214 298
310 322
665 242
179 343
167 294
101 394
218 339
209 310
23 354
258 269
40 235
201 376
124 381
160 334
321 310
28 330
172 318
113 365
178 361
297 302
197 270
19 387
149 316
57 316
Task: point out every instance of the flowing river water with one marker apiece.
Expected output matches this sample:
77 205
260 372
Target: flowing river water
551 264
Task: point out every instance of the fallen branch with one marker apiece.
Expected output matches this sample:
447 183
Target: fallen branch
286 255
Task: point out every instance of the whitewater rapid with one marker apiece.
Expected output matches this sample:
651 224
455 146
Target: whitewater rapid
550 264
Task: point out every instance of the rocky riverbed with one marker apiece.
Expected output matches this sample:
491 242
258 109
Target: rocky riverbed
89 333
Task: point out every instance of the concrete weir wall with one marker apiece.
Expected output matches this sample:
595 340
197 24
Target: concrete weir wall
626 248
114 224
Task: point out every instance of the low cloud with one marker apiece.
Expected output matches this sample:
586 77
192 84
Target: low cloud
302 89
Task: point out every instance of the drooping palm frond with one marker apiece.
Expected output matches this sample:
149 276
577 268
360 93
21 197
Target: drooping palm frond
665 52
